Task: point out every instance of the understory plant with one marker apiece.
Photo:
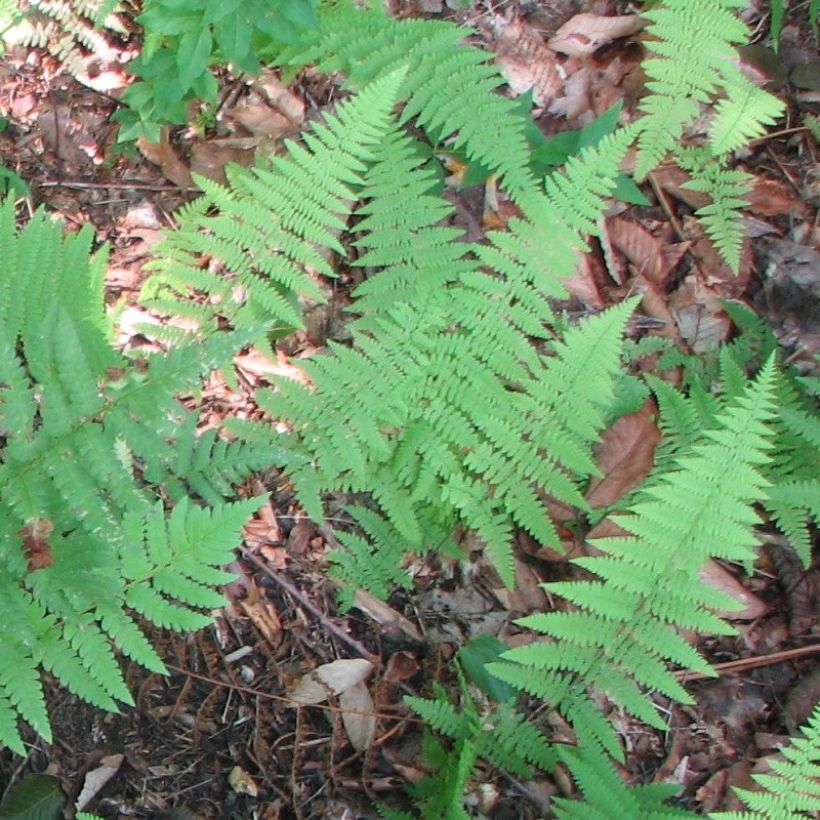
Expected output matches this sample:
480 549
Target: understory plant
465 402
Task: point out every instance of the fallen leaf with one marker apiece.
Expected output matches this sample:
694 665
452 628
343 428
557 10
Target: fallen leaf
525 61
209 158
722 580
96 779
769 197
162 153
241 782
643 250
357 716
329 679
625 456
586 33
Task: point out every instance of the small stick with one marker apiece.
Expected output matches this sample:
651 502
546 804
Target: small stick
751 663
123 186
310 607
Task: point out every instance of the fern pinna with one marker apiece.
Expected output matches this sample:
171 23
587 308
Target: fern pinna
624 632
84 544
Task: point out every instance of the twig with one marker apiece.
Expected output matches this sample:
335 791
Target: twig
310 607
751 663
258 693
123 186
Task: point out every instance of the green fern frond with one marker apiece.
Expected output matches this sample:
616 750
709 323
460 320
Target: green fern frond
722 218
742 115
468 422
606 796
267 226
792 791
694 60
497 734
363 43
374 562
586 179
624 632
82 541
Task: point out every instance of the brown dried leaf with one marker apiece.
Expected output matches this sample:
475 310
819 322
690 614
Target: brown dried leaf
770 197
525 61
36 548
241 782
586 33
359 721
643 250
97 778
722 580
208 159
329 679
384 615
162 153
625 456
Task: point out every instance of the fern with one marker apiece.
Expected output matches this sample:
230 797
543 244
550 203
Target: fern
722 218
270 224
713 381
84 542
69 29
605 796
469 422
363 44
497 734
623 635
792 791
695 61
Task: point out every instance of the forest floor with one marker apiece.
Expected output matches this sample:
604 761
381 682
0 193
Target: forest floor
219 737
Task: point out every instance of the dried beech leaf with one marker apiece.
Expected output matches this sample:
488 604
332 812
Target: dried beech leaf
586 33
625 456
97 778
641 248
162 153
526 62
359 722
330 679
722 580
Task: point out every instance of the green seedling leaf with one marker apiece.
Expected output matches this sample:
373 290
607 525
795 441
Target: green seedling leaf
474 656
37 797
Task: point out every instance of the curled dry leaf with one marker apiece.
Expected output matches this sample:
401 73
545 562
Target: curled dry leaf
643 250
586 33
162 153
357 717
329 679
97 778
241 782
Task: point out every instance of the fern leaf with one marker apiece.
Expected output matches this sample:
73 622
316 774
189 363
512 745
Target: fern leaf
80 538
694 61
270 221
722 218
652 573
792 791
742 115
363 43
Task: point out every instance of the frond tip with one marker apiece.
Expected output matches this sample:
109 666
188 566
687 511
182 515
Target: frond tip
792 790
625 630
